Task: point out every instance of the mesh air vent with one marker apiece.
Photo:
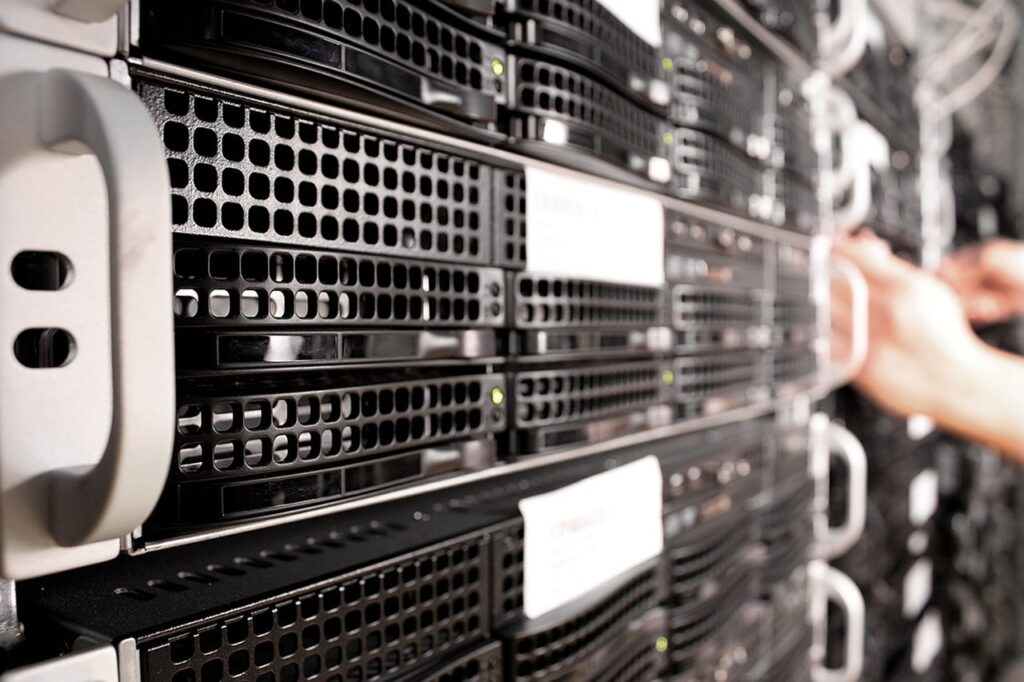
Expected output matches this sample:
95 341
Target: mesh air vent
369 625
481 665
551 302
709 383
510 219
585 30
508 571
708 558
708 307
224 434
693 625
713 170
537 655
793 365
711 96
559 396
234 285
411 50
242 171
617 129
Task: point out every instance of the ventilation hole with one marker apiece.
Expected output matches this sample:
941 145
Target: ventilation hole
200 578
134 594
41 270
40 348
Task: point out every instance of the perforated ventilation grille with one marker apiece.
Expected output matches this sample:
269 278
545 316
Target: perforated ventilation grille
228 284
793 665
561 396
242 171
793 365
538 655
692 625
608 44
231 435
544 89
713 170
551 302
787 533
704 377
510 219
793 137
715 308
364 626
429 42
641 663
707 559
508 571
712 96
481 665
799 202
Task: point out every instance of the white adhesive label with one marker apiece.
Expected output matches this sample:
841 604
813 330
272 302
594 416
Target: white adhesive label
923 496
643 17
578 228
590 532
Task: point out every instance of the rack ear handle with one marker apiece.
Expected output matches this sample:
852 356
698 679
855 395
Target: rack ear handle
84 114
829 439
843 45
89 11
846 371
830 585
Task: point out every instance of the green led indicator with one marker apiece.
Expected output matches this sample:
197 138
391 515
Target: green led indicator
666 138
497 66
661 644
668 377
497 396
666 64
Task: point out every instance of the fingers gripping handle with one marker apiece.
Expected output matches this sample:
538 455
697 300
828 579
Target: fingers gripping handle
832 439
847 371
83 114
831 585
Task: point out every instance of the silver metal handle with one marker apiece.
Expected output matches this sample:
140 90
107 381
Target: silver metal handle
831 585
843 44
829 439
844 372
82 114
89 11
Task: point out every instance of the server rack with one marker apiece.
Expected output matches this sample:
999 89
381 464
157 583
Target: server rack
339 371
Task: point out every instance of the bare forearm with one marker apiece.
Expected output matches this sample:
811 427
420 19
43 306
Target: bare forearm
983 401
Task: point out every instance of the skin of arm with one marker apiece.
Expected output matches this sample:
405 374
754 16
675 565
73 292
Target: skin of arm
989 278
923 356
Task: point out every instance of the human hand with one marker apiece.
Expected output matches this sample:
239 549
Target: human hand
919 340
989 278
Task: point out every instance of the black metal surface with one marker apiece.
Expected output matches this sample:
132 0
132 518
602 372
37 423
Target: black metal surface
230 285
584 32
228 434
579 637
379 54
559 406
707 384
568 111
241 169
